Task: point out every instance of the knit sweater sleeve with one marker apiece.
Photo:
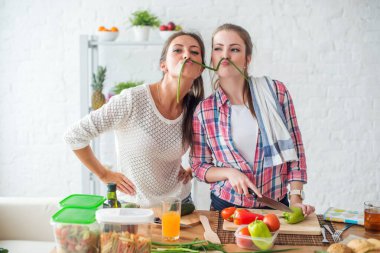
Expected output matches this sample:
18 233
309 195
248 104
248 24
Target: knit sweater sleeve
108 117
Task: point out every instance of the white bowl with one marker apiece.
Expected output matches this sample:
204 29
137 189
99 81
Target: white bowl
107 36
166 34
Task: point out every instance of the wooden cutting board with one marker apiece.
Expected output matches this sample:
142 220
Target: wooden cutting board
190 219
310 226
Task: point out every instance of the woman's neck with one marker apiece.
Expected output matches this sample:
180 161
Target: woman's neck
233 87
165 96
168 90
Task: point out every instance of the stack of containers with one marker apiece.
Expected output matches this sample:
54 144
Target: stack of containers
75 227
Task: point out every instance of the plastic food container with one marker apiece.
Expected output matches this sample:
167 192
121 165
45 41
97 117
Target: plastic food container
83 201
256 243
75 230
125 229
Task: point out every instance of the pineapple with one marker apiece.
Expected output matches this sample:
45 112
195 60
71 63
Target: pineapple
97 98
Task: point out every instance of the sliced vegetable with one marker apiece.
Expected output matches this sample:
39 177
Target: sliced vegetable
243 216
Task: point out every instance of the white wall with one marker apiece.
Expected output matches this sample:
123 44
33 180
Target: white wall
326 52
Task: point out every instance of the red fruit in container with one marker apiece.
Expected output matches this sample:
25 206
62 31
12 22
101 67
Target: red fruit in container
272 221
163 28
171 26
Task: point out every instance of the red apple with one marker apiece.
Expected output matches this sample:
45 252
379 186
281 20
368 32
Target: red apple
171 26
163 28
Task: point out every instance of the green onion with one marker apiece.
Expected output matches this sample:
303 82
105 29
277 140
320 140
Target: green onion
207 67
179 79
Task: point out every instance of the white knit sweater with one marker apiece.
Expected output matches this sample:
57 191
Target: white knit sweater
148 146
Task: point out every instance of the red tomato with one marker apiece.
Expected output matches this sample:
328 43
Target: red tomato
228 212
272 222
244 231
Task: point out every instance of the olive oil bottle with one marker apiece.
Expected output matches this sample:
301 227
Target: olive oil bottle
111 201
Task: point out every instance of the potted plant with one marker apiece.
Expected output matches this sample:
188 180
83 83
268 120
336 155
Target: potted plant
125 85
142 21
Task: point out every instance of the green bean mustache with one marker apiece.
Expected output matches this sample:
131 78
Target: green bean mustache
206 67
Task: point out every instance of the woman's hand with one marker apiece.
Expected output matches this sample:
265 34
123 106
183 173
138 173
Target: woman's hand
185 175
122 182
306 209
241 182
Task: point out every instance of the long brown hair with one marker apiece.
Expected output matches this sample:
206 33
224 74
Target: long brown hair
196 93
244 35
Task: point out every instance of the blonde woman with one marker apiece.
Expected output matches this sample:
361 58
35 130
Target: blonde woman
235 148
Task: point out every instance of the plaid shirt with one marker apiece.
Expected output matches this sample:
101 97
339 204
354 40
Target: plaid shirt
213 147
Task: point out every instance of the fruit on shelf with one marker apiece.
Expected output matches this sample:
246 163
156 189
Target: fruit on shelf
171 26
163 28
104 29
97 97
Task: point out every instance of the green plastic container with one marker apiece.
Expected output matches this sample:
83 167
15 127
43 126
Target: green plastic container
75 230
83 201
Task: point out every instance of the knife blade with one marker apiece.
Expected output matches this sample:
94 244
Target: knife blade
274 204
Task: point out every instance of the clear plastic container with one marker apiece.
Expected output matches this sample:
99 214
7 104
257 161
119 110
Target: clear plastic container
125 229
256 243
83 201
75 230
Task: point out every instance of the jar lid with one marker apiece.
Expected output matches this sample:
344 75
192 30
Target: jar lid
74 215
125 215
83 201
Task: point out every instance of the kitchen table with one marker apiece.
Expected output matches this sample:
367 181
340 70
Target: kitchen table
196 231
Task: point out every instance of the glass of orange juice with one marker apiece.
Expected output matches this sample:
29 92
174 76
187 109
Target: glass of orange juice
171 217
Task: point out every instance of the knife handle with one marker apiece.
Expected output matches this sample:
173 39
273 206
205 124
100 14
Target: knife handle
252 192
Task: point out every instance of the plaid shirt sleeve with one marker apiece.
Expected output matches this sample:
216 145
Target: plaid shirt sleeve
296 169
200 155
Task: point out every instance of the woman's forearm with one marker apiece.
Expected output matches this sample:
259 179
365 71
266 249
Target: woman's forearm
215 174
87 157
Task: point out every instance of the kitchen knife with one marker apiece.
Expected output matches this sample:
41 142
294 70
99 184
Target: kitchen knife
274 204
271 202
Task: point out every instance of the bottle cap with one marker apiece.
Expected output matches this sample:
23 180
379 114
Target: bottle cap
111 187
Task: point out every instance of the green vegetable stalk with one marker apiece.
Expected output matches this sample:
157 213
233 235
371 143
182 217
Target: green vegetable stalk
207 67
259 229
295 217
193 247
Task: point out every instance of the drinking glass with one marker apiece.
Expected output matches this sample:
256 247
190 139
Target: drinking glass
171 217
372 216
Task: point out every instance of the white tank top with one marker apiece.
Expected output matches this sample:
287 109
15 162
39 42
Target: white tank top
244 131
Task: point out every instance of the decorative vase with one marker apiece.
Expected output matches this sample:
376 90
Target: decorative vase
141 33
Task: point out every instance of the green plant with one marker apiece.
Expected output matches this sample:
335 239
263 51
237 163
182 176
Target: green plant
144 18
125 85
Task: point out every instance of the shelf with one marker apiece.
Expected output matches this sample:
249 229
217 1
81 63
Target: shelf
94 43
